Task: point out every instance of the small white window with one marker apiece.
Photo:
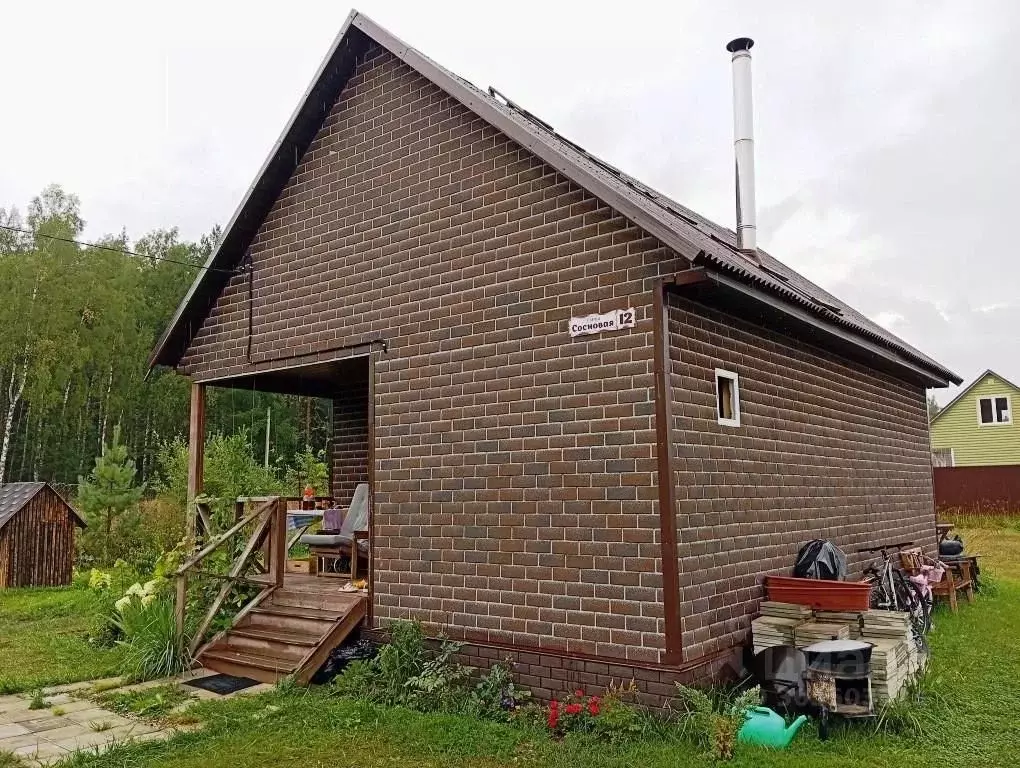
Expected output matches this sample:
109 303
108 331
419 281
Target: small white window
994 410
727 398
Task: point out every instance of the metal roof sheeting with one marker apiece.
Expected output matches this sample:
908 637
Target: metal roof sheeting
14 497
688 233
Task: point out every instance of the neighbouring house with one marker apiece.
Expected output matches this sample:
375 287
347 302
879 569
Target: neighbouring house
591 420
975 447
976 428
37 529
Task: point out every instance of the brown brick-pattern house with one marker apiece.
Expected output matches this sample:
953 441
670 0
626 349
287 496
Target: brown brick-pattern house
415 249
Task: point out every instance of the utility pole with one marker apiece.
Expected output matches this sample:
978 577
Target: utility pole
269 422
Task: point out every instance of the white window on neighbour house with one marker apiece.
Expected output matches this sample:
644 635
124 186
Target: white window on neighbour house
994 410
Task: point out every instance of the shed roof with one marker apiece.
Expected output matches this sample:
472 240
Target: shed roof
701 241
14 497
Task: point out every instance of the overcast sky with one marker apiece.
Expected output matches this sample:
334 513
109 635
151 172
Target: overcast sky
887 133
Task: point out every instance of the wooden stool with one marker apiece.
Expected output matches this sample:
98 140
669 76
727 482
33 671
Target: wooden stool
958 578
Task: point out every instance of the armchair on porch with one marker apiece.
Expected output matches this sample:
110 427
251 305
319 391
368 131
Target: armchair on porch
327 548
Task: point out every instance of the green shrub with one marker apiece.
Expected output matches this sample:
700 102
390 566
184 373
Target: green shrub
148 625
713 720
406 672
230 471
496 696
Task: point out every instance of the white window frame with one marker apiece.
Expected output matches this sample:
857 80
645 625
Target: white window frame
721 373
993 422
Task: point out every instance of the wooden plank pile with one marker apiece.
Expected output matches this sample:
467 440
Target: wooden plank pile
895 659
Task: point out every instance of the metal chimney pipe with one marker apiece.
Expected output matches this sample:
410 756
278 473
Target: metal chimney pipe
743 143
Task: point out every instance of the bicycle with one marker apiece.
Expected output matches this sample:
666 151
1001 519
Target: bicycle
892 590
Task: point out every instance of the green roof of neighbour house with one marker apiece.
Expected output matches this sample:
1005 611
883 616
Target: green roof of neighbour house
958 426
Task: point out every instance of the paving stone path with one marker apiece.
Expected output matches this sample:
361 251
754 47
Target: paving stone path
71 722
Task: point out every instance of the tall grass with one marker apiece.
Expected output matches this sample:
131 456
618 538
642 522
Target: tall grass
995 521
152 647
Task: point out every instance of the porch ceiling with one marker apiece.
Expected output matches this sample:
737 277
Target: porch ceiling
311 380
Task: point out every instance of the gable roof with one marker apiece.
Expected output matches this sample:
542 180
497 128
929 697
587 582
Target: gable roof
14 497
686 232
963 392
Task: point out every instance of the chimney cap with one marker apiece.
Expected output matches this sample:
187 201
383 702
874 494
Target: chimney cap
739 44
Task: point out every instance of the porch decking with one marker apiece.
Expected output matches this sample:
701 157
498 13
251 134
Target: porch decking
290 632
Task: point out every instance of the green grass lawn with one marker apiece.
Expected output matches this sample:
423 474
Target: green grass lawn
970 712
42 639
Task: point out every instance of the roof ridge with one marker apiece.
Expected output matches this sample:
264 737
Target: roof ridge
689 234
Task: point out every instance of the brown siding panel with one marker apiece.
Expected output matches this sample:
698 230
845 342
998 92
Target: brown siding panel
350 436
515 497
825 449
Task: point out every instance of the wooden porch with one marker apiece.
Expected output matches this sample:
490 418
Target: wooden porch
291 632
273 623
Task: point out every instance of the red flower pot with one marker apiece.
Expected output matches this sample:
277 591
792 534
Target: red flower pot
818 594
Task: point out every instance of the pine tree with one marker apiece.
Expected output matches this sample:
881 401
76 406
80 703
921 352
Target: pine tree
110 489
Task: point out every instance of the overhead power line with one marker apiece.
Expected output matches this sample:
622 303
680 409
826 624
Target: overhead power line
116 250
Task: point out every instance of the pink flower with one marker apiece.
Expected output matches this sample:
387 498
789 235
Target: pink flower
579 693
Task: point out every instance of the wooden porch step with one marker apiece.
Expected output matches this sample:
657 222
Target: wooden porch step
321 600
274 641
230 661
299 612
273 635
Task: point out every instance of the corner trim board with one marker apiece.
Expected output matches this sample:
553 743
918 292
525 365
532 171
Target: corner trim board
666 477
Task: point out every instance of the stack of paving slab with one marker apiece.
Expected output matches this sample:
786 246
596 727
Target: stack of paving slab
811 632
777 623
894 659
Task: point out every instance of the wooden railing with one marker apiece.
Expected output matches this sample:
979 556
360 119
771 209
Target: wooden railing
261 561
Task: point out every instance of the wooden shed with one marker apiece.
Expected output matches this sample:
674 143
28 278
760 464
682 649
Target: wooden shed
36 536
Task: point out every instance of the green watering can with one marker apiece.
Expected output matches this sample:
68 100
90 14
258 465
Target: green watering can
763 726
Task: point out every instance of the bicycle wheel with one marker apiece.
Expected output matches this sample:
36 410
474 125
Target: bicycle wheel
911 599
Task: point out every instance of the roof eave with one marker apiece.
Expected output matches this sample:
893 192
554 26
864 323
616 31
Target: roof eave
889 358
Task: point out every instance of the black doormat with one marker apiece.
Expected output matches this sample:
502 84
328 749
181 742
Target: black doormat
222 684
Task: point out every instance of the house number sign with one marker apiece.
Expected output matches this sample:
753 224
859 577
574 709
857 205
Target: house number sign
609 321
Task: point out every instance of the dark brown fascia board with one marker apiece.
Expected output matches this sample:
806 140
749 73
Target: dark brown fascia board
796 313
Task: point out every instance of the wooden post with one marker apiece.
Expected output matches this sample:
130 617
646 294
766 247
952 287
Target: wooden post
196 454
276 543
196 464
